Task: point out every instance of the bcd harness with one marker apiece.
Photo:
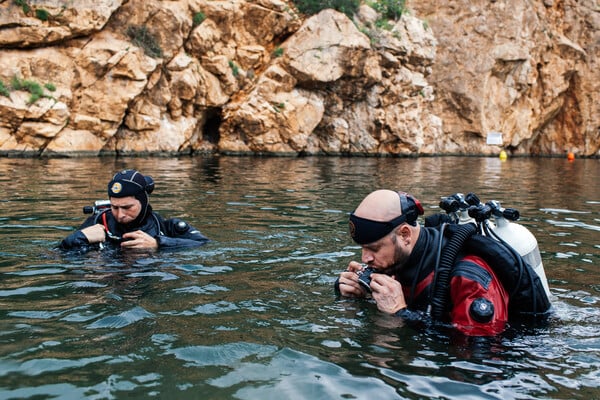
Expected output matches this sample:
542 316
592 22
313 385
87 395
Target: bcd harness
527 297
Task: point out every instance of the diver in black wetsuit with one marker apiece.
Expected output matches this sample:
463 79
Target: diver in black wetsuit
130 222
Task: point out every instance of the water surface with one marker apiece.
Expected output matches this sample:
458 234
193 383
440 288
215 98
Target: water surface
252 314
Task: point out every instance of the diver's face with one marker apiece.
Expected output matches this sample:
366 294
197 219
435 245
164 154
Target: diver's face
125 209
386 254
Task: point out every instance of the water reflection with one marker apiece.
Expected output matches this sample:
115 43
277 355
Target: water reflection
252 314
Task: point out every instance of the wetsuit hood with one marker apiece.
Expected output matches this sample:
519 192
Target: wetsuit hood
130 182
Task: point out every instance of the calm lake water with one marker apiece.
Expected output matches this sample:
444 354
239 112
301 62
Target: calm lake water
252 315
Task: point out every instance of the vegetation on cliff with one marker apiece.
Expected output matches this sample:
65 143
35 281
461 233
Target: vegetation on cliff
391 9
35 90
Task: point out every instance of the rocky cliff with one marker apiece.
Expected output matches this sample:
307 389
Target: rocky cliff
234 76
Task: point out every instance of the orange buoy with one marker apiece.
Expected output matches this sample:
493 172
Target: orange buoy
570 156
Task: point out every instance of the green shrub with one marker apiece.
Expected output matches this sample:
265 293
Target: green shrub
384 24
42 14
23 4
33 87
390 9
278 107
50 86
198 18
4 90
278 52
15 83
35 90
141 37
310 7
235 70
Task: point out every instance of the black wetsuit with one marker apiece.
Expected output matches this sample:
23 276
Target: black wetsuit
168 233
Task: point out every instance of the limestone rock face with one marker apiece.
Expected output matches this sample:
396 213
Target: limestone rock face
21 29
254 76
526 69
330 93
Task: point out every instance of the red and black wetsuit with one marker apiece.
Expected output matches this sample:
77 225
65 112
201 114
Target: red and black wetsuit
478 301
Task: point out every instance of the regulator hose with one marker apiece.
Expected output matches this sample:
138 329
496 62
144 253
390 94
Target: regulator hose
441 291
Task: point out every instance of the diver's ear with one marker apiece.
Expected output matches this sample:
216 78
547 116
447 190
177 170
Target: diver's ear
404 232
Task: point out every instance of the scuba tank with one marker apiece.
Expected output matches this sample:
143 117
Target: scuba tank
518 237
469 209
510 250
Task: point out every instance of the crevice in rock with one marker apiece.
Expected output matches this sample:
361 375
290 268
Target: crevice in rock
210 130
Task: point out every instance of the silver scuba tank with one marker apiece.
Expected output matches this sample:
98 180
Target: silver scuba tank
519 238
501 223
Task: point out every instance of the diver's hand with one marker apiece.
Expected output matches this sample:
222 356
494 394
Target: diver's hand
138 240
387 292
348 280
94 233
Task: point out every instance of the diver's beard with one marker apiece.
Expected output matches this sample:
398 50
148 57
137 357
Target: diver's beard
391 271
400 260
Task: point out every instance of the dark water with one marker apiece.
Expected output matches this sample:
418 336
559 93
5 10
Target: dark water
252 315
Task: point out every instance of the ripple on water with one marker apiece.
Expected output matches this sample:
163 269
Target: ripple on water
273 370
206 289
122 319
